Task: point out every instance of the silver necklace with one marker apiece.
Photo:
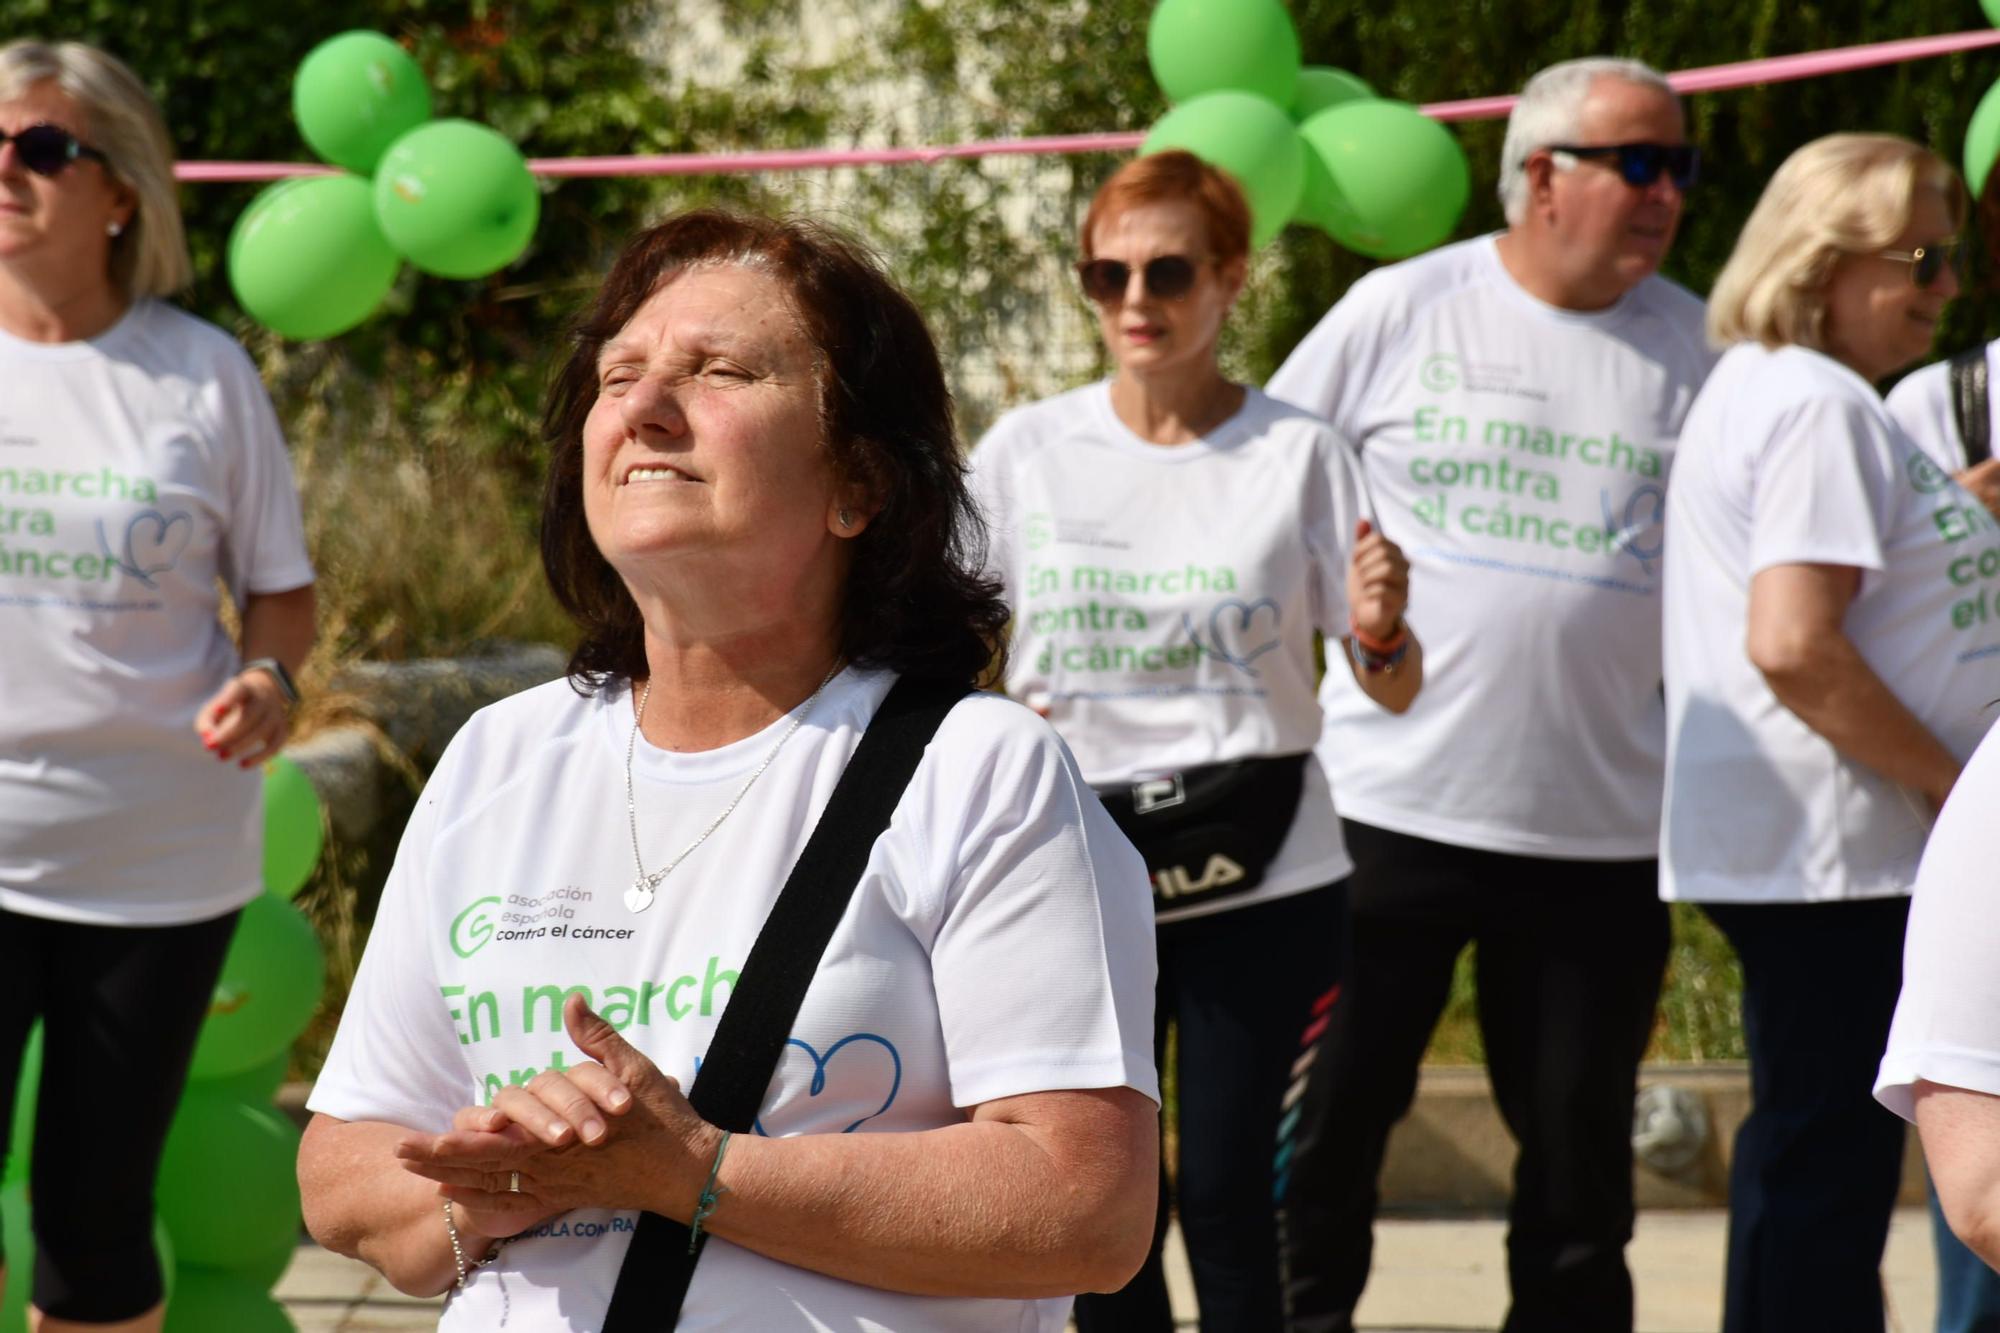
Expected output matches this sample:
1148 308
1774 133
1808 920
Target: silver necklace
640 896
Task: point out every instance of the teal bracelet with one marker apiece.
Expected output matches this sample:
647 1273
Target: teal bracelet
704 1205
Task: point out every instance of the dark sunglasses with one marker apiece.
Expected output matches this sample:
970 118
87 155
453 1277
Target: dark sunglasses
1168 278
1928 262
47 149
1640 164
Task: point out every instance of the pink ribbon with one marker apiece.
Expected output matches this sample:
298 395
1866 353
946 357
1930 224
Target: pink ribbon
1714 78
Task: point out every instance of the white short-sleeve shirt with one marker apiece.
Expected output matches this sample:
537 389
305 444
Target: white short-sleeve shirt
1947 1027
1789 457
1165 597
137 469
1000 942
1518 453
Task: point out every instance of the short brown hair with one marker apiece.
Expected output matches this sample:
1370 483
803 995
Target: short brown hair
1176 176
916 601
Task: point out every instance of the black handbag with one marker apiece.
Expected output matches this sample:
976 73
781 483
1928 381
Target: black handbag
1209 832
1969 404
750 1036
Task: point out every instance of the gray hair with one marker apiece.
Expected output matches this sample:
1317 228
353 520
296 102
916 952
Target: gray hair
1550 111
150 258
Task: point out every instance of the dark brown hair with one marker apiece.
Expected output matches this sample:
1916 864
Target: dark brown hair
916 600
1176 176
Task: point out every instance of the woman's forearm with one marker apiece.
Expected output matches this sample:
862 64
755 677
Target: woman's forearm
360 1202
280 625
1833 690
984 1209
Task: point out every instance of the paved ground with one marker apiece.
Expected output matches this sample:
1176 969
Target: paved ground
1431 1276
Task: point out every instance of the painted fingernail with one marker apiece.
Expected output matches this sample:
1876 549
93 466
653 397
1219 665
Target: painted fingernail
593 1130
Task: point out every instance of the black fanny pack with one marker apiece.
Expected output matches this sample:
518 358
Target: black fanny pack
1209 832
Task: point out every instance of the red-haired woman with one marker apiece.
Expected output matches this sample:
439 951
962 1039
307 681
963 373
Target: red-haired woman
1171 541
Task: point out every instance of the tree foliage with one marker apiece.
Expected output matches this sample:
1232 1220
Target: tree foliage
972 239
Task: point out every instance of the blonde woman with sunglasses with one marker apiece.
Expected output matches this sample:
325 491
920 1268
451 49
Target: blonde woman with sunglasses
141 471
1828 671
1171 542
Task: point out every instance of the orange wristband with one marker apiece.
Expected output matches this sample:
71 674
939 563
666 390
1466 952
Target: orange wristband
1379 647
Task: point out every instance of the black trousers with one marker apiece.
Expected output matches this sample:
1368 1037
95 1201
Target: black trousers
120 1009
1817 1160
1237 986
1569 960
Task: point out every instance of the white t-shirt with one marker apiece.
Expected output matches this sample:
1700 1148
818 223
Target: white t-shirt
136 468
1789 457
1519 454
1921 405
1165 598
1000 943
1947 1027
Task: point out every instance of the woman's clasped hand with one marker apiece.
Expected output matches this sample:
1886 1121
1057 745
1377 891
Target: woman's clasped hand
612 1132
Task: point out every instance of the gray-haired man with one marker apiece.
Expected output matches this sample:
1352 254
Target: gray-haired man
1516 400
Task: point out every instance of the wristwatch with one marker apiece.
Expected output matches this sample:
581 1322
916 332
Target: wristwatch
275 669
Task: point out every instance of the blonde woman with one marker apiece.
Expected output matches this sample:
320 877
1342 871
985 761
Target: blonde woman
143 468
1827 672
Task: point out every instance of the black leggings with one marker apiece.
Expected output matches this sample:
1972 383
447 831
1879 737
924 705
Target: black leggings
120 1009
1237 985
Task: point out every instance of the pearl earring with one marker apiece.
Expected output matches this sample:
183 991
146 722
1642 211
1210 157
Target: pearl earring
114 229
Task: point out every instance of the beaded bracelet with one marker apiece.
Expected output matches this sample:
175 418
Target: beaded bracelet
465 1269
704 1204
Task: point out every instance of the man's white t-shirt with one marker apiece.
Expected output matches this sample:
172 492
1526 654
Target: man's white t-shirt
1921 405
999 943
1947 1027
136 469
1519 455
1789 458
1165 597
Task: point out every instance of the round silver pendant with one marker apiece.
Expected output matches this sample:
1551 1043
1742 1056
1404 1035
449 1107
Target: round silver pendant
638 898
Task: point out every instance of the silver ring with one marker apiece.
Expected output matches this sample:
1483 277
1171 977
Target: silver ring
513 1182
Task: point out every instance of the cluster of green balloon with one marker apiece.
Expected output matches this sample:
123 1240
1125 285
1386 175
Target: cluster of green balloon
313 256
221 1248
1307 143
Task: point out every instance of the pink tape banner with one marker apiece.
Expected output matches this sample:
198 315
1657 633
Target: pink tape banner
1713 78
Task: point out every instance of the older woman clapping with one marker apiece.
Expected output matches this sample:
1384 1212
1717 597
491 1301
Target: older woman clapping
1827 672
756 514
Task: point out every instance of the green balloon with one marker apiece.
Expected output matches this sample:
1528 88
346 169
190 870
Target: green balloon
269 987
20 1252
21 1137
205 1301
228 1186
1982 139
293 831
1383 178
1249 138
306 258
1204 46
356 94
456 199
1321 86
258 1085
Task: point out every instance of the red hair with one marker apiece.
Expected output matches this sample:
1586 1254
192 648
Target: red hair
1176 176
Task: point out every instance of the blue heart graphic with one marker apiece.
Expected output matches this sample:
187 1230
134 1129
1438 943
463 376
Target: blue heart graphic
155 551
820 1063
1221 633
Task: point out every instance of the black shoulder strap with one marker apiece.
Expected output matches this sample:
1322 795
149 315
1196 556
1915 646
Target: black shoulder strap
1969 404
764 1002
